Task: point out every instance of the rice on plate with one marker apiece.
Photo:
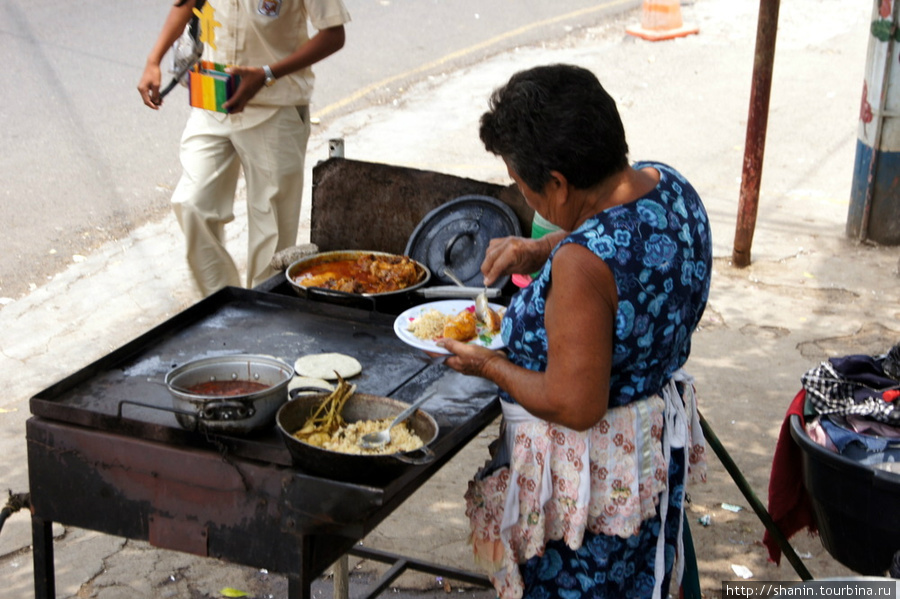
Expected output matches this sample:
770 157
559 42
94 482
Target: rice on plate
429 325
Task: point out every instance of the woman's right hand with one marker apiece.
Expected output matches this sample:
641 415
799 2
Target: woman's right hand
514 255
469 358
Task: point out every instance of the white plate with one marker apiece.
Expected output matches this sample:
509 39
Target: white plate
450 308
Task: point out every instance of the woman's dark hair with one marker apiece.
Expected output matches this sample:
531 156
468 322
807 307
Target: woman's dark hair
556 118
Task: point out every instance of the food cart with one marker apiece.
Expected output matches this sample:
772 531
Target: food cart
106 451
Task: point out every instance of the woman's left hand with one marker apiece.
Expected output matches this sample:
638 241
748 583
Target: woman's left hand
468 358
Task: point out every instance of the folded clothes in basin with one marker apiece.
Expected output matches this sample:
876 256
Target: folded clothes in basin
855 384
860 442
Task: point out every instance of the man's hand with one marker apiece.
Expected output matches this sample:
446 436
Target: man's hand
148 86
253 79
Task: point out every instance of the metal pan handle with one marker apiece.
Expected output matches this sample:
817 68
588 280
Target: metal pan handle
124 402
411 458
190 417
226 410
293 393
213 411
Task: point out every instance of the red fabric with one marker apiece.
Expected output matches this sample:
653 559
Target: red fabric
789 504
890 395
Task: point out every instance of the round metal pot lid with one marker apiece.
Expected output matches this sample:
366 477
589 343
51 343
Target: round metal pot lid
455 235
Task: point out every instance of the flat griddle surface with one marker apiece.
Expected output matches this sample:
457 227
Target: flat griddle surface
124 392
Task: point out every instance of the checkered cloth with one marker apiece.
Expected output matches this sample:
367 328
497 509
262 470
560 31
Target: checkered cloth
853 385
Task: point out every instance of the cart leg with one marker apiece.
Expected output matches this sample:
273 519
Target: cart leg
42 553
296 589
342 578
300 587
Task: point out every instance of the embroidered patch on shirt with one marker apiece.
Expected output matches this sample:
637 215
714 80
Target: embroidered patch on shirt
269 8
208 24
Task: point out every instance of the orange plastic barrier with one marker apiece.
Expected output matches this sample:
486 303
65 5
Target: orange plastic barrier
661 20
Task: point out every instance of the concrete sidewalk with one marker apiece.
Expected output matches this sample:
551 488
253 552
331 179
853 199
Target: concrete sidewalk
810 293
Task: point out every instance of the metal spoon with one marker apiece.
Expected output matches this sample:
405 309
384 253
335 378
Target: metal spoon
383 437
452 276
482 309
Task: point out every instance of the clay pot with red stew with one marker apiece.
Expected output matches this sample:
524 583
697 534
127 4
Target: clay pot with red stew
234 394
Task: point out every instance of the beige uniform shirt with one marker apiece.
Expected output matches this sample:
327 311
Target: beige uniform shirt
260 32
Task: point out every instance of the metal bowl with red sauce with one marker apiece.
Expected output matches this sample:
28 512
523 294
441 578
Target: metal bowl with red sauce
236 393
226 388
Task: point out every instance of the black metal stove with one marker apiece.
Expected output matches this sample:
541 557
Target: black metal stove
106 453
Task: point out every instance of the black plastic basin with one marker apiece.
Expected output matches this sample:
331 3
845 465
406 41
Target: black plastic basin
857 507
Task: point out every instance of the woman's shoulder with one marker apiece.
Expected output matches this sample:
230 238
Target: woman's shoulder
673 192
661 166
668 175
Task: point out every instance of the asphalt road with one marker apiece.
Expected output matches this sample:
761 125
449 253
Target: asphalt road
84 162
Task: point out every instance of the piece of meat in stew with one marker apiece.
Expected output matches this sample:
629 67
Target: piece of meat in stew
366 274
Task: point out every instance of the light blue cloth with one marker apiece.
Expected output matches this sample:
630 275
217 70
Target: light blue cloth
864 449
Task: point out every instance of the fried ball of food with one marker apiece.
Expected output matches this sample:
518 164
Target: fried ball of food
492 320
461 327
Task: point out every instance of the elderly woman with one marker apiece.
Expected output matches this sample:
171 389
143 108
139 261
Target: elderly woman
585 492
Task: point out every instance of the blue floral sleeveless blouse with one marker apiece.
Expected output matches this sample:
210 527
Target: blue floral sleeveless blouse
659 249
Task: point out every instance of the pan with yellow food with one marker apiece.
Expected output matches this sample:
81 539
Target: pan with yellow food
306 423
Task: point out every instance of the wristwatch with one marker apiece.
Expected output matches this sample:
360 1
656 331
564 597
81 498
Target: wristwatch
270 78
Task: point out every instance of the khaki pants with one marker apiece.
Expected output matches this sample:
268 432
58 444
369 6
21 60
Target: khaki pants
269 144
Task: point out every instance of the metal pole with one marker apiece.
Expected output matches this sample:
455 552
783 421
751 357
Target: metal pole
863 233
755 145
336 147
762 513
